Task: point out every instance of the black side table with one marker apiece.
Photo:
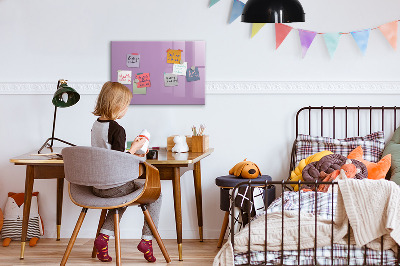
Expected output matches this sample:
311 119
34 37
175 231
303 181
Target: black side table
226 183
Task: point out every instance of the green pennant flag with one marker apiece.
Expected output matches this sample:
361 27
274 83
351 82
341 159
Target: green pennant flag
213 2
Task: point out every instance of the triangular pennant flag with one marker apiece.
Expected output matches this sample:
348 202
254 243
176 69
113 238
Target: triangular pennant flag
256 27
237 9
390 32
332 41
213 2
281 31
361 37
306 38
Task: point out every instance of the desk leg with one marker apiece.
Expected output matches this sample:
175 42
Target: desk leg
199 204
27 206
60 190
176 182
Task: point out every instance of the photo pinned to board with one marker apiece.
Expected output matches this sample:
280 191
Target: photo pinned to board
125 76
192 74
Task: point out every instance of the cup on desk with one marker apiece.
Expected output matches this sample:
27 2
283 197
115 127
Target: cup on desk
152 155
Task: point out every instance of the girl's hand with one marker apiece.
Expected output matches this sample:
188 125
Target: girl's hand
137 144
142 155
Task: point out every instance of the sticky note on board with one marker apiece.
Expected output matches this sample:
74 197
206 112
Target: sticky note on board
137 90
144 80
170 80
192 74
180 69
174 56
133 60
124 76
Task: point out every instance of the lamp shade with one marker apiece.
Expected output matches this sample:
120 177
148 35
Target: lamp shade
273 11
65 96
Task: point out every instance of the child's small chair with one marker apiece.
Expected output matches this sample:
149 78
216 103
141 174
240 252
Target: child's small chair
85 167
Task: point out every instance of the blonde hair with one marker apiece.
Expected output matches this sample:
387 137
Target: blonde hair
112 99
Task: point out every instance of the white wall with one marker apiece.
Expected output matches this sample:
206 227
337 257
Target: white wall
42 41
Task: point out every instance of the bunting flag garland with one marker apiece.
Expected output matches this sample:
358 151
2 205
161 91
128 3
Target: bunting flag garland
256 27
389 30
213 2
237 9
361 38
332 41
281 31
306 39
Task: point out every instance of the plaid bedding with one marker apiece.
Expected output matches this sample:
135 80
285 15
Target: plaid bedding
372 145
323 207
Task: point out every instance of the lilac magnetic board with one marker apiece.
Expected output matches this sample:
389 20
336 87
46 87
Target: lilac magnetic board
153 60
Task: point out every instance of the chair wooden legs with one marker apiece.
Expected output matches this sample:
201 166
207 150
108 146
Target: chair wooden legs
101 222
73 237
223 229
154 230
117 239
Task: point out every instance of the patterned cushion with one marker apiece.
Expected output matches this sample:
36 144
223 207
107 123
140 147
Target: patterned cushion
372 144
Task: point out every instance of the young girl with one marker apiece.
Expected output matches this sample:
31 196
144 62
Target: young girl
112 104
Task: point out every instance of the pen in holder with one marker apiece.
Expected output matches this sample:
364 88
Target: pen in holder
200 143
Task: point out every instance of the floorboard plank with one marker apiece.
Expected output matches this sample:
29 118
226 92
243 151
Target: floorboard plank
49 252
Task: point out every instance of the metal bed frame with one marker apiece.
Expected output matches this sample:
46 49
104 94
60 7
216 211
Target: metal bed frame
283 184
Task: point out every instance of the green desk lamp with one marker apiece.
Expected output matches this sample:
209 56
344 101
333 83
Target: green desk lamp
65 96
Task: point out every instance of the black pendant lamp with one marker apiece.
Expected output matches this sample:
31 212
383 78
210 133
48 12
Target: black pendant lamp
273 11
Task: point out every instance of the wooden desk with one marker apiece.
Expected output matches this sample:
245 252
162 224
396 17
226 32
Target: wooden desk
171 167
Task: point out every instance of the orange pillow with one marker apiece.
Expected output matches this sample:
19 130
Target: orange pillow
375 170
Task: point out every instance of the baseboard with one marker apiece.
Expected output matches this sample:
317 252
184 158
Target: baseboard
231 87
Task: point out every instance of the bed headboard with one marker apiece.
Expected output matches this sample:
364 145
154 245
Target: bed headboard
344 121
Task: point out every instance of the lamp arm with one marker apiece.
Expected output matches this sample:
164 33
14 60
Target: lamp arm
54 126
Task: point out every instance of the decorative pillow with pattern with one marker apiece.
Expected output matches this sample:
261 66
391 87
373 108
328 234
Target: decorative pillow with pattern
372 145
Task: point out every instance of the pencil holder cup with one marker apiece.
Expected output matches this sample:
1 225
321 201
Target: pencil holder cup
200 143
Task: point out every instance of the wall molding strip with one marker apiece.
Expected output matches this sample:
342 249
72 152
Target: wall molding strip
232 87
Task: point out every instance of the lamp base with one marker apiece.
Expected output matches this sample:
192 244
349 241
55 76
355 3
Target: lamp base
50 146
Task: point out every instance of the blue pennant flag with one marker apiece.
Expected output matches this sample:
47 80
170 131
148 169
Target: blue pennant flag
213 2
332 41
237 9
361 38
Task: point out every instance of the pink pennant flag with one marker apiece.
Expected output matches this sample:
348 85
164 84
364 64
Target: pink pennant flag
389 30
306 39
281 31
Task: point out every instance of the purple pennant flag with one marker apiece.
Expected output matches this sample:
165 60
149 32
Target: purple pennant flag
306 39
237 9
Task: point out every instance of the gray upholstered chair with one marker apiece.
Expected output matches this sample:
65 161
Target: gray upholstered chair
85 167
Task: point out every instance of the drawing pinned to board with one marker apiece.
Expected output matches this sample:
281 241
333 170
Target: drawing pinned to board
192 74
180 69
133 60
124 76
144 80
174 56
170 80
137 90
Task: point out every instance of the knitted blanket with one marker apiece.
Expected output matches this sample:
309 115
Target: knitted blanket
371 207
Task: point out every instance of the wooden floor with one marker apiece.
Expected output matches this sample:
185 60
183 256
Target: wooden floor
50 252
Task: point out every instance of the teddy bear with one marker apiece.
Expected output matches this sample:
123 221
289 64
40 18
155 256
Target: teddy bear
245 169
13 215
180 144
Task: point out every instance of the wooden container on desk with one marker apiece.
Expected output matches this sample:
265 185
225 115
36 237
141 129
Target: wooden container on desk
200 143
171 143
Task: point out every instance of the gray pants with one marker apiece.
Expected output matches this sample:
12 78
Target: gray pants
153 208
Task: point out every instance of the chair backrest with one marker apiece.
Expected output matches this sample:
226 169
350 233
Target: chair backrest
92 166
